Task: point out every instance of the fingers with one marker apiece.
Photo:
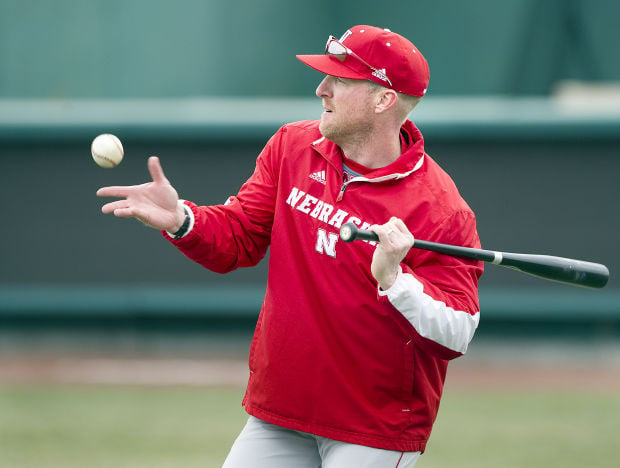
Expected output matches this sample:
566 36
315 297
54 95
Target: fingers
156 171
399 226
395 231
381 230
125 212
121 209
398 223
116 191
113 206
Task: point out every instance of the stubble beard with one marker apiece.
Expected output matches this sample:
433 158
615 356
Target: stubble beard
344 134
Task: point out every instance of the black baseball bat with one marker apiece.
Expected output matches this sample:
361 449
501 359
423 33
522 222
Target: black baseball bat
563 270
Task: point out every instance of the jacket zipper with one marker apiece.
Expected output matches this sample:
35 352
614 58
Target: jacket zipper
341 193
344 185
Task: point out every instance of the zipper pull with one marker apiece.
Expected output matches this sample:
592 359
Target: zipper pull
341 193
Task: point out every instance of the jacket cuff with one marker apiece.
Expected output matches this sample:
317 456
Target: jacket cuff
396 288
192 220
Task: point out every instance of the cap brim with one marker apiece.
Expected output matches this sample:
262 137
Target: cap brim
331 66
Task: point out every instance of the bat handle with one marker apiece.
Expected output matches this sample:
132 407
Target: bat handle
350 232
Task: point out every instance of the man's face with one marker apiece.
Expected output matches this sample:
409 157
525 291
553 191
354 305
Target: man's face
349 109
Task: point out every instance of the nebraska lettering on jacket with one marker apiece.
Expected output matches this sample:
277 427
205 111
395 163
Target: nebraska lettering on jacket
323 211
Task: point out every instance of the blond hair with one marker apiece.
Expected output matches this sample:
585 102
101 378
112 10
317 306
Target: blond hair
405 104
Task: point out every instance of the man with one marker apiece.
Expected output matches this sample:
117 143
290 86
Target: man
351 346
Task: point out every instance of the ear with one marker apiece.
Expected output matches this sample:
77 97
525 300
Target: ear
386 99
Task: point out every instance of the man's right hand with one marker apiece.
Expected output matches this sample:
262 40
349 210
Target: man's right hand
155 203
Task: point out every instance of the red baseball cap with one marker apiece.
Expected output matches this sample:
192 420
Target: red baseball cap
376 54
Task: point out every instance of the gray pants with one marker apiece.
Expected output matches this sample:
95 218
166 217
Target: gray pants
264 445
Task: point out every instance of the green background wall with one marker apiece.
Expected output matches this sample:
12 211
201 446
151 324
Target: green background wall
146 48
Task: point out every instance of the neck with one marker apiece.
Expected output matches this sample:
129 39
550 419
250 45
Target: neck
374 151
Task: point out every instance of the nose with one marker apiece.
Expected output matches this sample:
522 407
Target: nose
322 90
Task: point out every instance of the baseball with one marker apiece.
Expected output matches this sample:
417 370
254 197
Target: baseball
107 150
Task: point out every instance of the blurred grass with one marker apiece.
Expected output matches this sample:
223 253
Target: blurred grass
76 426
94 426
544 428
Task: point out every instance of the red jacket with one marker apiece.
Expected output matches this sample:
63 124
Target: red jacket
333 355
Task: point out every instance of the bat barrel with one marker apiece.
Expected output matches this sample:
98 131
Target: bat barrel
563 270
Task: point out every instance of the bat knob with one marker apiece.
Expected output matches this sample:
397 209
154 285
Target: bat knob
347 232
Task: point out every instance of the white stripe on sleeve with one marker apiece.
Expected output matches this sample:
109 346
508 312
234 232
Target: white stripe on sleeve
431 318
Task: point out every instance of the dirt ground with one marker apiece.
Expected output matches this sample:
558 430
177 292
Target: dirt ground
488 367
